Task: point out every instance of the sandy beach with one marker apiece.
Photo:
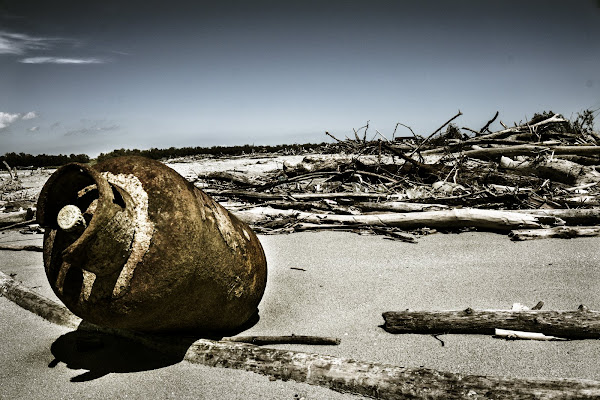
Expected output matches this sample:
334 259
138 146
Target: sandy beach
338 284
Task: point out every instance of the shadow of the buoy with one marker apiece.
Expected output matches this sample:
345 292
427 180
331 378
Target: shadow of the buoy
105 351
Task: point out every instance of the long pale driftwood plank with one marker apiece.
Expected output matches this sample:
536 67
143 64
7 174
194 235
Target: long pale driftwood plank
580 324
444 219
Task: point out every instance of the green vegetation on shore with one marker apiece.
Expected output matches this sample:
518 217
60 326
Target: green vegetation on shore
42 160
172 152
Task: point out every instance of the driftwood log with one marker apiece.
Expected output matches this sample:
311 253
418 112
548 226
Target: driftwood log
580 324
234 177
381 381
444 219
398 206
571 216
16 217
560 232
522 128
531 149
246 194
27 247
554 169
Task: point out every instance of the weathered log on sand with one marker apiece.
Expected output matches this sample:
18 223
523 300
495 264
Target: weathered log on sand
36 303
398 206
16 217
509 151
582 160
27 247
445 219
560 232
554 169
381 381
234 177
571 216
580 324
584 151
530 149
246 194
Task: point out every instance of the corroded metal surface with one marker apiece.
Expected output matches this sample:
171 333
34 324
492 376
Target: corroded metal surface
136 246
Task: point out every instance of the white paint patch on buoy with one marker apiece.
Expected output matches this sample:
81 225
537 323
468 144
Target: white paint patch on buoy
143 227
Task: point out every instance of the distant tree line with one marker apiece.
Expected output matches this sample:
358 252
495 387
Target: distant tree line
173 152
41 160
46 160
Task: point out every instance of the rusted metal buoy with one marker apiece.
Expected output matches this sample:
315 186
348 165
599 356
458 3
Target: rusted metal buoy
131 244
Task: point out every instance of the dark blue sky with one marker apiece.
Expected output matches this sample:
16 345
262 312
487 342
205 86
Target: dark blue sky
83 77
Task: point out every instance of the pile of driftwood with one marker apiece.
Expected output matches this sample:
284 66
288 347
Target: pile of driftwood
532 180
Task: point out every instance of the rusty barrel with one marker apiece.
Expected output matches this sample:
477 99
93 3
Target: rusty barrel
131 244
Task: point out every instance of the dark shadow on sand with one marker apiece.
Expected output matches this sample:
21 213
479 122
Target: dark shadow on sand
103 352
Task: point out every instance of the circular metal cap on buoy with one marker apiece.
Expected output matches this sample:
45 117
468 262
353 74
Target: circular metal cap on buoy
70 218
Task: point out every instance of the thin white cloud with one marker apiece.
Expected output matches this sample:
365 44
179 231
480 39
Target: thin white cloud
6 119
58 60
34 129
97 128
30 115
19 44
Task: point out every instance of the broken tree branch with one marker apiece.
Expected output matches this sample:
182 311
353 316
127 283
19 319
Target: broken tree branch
425 167
482 130
434 132
17 225
406 126
333 137
12 176
291 339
